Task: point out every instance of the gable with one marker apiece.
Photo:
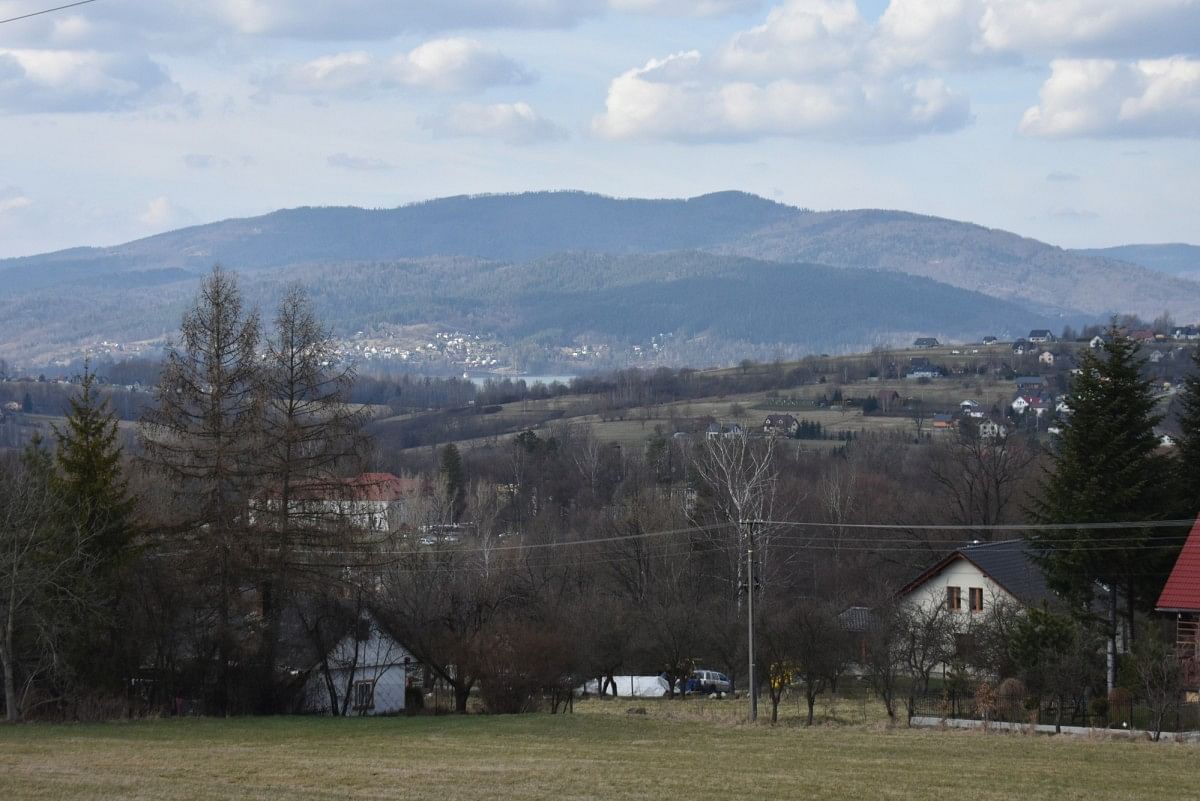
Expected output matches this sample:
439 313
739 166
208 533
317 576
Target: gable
1006 567
1182 590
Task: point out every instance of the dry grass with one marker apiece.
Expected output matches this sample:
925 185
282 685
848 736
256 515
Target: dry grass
600 752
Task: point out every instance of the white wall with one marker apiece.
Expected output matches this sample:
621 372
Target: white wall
379 659
964 575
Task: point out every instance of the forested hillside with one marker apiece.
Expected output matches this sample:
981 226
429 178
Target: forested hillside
1176 259
559 265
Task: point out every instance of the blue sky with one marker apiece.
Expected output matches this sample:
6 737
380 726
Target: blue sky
1072 121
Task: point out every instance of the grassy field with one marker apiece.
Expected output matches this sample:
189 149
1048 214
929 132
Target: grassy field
677 750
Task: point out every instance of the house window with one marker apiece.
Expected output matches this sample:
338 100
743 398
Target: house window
364 695
954 598
976 599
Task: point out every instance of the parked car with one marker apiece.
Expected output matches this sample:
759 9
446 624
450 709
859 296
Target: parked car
708 682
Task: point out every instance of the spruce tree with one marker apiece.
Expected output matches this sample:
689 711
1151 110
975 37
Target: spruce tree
1106 468
95 500
1187 462
453 480
89 477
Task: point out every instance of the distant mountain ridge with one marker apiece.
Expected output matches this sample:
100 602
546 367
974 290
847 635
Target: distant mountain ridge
1174 258
505 261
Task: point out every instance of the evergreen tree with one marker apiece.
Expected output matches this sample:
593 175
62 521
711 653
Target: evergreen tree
1187 462
1107 468
454 480
89 476
95 499
27 404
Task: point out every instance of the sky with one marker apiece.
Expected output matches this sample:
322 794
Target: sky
1076 122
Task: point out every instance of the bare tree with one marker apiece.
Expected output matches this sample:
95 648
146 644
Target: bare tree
42 558
742 478
199 438
441 605
1160 678
310 436
837 491
926 641
980 476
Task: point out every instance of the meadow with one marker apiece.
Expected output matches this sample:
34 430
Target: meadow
694 750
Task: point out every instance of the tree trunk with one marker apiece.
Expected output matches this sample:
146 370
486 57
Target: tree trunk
10 683
462 692
812 703
6 657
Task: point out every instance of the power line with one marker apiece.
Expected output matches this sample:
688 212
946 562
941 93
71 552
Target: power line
1112 524
46 11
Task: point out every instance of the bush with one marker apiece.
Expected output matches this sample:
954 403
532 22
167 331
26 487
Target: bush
1010 699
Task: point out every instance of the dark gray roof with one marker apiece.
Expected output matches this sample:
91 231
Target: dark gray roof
1011 564
855 618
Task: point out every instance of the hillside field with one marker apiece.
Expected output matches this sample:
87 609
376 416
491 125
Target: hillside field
598 753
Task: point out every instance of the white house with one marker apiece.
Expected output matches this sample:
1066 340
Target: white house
368 502
368 667
990 429
973 579
1046 357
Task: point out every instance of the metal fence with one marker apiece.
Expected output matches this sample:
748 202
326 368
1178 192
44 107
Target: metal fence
1119 712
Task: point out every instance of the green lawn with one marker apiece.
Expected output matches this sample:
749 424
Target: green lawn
599 753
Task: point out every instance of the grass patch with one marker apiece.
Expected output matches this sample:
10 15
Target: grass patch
676 750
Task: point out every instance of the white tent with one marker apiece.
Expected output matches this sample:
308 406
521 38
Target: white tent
631 687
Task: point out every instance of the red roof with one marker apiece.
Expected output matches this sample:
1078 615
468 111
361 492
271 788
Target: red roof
364 487
382 487
1182 593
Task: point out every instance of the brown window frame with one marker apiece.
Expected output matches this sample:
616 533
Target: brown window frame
975 594
358 699
954 599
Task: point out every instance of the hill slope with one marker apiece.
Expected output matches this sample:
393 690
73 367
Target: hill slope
720 300
535 225
1175 259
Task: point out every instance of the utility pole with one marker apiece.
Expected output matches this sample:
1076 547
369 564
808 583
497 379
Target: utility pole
752 680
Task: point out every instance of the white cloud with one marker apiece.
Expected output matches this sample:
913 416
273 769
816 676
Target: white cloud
68 80
159 212
514 123
803 37
686 8
345 161
378 19
811 69
641 103
441 65
1091 27
1104 97
13 199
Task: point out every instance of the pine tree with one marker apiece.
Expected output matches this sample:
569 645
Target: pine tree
1106 468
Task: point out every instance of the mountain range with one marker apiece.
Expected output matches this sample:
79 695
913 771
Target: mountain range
552 267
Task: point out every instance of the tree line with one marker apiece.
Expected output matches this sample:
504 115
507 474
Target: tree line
225 554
